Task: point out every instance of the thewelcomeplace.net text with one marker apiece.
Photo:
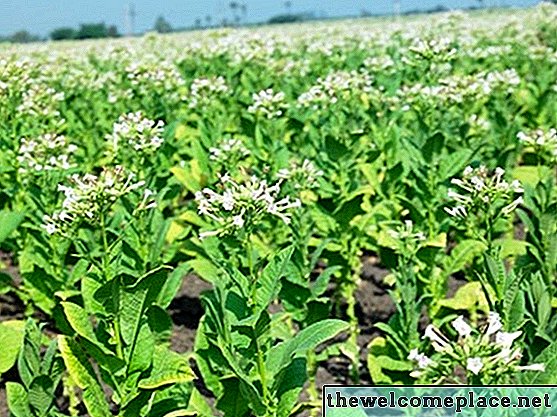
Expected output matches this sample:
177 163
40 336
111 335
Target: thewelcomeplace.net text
456 402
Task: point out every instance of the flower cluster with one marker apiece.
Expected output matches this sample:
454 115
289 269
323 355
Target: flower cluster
462 88
486 356
301 175
203 90
481 190
45 153
41 100
337 85
241 206
229 152
162 76
441 49
90 196
543 143
134 131
268 103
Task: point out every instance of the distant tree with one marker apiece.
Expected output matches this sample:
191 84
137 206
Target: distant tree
208 20
92 31
23 36
162 25
112 32
287 18
288 6
63 34
198 22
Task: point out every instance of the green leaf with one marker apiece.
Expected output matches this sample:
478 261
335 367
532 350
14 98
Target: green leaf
80 322
268 285
11 335
41 394
380 359
9 220
307 339
172 285
462 255
29 361
289 384
18 402
232 402
322 281
205 269
134 301
84 377
549 358
168 368
6 284
530 175
468 297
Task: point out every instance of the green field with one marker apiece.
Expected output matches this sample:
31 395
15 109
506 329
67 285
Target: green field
216 223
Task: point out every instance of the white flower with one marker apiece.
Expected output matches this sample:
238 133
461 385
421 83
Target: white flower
438 341
135 132
422 360
539 367
462 328
474 365
506 340
493 323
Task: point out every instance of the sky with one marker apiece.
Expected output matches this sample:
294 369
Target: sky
42 16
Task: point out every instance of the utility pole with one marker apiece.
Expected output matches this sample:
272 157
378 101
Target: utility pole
396 8
129 19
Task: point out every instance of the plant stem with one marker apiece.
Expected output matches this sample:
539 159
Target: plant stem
106 277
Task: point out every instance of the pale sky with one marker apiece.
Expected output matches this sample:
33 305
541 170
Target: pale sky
42 16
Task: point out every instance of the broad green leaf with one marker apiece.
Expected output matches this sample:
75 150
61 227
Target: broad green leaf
530 175
18 402
11 335
172 285
205 269
232 402
83 375
9 220
29 361
289 385
468 297
134 301
41 394
80 322
268 284
307 339
168 368
463 254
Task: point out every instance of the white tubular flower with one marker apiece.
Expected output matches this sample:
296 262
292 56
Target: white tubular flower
478 190
89 195
493 323
45 153
505 340
422 360
462 328
438 341
268 103
474 365
204 90
133 132
243 204
538 367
